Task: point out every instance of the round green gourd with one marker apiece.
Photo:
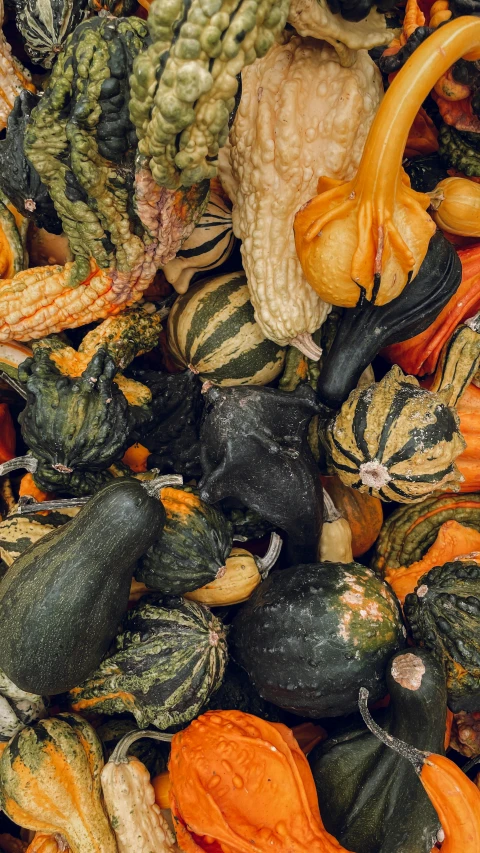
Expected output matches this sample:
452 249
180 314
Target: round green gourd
192 548
212 331
310 636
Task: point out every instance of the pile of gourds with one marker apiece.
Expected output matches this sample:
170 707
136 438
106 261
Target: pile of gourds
239 433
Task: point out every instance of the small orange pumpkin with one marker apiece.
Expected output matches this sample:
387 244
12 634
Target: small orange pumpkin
363 513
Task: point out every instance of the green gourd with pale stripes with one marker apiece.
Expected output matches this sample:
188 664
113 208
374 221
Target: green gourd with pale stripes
212 330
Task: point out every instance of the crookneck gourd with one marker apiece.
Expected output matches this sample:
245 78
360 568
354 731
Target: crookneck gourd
369 797
367 238
121 227
45 26
50 781
184 85
351 625
272 163
165 664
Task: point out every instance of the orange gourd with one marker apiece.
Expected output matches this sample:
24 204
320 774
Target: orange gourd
43 843
28 488
367 237
423 136
363 513
455 204
454 797
458 113
439 13
468 409
7 434
136 457
239 783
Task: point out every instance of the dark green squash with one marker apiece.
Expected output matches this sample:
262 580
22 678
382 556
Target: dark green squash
311 635
192 548
367 328
370 799
444 616
166 663
425 172
460 150
62 600
45 25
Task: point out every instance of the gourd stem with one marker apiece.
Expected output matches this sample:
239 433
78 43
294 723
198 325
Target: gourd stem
120 753
388 134
474 322
414 756
332 513
305 343
14 383
28 462
264 564
28 506
473 761
154 487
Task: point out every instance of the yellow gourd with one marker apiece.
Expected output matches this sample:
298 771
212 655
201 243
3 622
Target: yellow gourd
243 573
336 538
130 798
455 204
368 236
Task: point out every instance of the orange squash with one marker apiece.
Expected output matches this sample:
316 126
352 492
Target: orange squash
363 513
455 203
423 136
28 488
367 237
136 458
43 843
468 409
239 783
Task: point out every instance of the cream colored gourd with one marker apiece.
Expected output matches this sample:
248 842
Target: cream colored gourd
336 538
273 160
243 573
455 206
130 799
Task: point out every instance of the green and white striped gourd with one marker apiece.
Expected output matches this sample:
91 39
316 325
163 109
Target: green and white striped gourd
212 331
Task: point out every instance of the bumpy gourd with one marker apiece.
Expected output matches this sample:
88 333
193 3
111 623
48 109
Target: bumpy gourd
13 77
45 26
367 237
184 84
276 154
460 150
50 778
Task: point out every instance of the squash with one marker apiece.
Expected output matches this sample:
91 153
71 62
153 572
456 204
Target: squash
380 223
395 440
184 85
419 355
456 206
28 489
454 797
191 549
422 138
425 172
210 244
17 709
164 665
13 77
468 408
369 797
13 256
453 541
459 150
11 356
7 434
264 793
44 27
465 733
272 163
443 614
18 532
152 752
365 329
50 782
363 512
246 523
243 573
130 800
254 447
352 626
212 331
43 843
62 599
336 538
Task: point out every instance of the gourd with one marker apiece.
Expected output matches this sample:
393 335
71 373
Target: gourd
425 172
459 150
465 733
365 329
210 244
265 790
18 532
113 7
212 331
192 547
13 256
13 76
369 797
50 778
45 27
153 753
456 206
443 614
7 434
62 599
11 356
130 800
43 843
380 223
243 573
246 523
336 538
254 447
272 163
363 513
454 797
352 626
184 85
419 355
357 10
17 708
167 661
395 440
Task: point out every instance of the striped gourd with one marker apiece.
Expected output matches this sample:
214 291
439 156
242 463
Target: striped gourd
11 355
18 532
212 330
396 440
209 245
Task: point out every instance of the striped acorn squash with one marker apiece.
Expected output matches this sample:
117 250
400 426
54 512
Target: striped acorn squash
395 440
166 663
45 25
212 330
